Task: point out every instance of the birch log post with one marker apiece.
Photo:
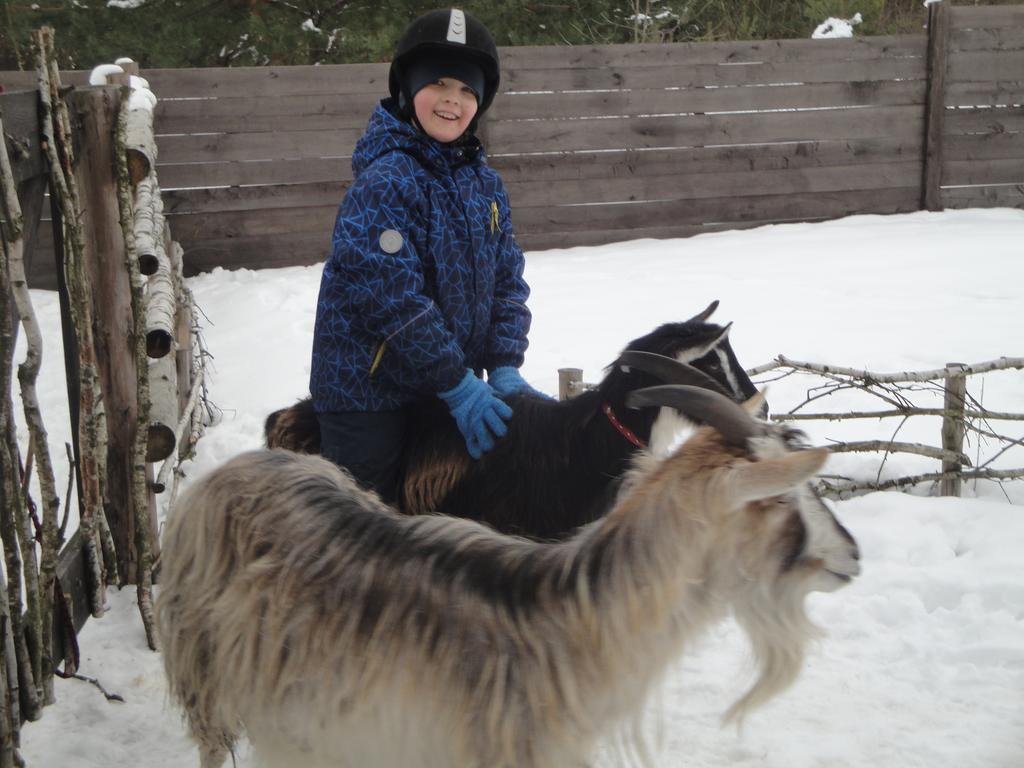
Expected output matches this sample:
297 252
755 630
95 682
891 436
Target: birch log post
569 380
145 539
163 411
953 426
161 306
149 225
91 426
140 144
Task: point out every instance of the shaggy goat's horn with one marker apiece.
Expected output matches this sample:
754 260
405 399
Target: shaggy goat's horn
702 317
669 370
703 405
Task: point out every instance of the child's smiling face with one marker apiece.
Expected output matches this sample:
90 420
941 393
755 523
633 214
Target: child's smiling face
445 108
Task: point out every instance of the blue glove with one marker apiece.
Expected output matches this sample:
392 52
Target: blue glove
507 381
478 412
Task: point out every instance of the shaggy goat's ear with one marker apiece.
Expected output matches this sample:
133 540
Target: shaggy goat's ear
771 477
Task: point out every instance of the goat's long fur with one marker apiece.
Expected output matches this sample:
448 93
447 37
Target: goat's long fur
559 465
300 610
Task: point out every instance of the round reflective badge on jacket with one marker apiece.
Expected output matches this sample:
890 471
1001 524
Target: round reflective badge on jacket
390 241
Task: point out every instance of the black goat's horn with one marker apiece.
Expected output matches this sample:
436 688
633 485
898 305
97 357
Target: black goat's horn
669 370
711 408
702 317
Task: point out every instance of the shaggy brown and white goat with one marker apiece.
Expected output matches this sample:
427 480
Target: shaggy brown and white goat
333 631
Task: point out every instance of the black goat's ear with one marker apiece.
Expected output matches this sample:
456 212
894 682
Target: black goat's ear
669 370
702 317
702 405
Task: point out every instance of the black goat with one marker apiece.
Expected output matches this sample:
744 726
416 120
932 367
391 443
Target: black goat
559 465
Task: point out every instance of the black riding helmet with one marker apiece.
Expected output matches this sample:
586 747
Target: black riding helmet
448 31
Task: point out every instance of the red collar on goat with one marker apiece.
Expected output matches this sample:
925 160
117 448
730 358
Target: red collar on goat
623 430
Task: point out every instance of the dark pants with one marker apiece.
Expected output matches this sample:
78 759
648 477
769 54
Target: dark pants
367 444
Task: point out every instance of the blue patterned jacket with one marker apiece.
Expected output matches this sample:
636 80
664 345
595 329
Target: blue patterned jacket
425 278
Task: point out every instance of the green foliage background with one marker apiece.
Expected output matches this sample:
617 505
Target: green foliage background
207 33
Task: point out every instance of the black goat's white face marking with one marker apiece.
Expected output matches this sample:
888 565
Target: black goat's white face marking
670 428
728 372
698 351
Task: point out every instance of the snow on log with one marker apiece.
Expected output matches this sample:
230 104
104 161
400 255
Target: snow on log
163 408
139 142
149 225
160 309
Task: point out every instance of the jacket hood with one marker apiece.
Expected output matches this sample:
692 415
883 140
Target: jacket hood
387 133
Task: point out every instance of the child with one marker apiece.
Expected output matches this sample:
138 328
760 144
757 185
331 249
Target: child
424 288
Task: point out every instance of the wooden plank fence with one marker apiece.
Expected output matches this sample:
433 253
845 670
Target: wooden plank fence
608 143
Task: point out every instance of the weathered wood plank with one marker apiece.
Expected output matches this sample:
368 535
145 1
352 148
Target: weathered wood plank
315 113
569 165
283 171
20 111
980 94
95 111
195 232
73 583
716 185
992 146
577 191
294 249
598 166
26 80
1004 196
705 75
960 172
528 220
256 146
279 81
257 113
372 78
303 249
986 66
986 16
520 106
554 135
688 54
704 130
543 241
985 121
998 39
219 199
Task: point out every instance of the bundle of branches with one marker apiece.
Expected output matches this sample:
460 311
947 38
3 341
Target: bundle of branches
962 414
26 619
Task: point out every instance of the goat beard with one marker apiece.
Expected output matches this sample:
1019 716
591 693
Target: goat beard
774 619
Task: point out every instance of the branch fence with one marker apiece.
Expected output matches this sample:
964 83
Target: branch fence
962 415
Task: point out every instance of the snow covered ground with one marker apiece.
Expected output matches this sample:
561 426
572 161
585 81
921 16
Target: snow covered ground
923 662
